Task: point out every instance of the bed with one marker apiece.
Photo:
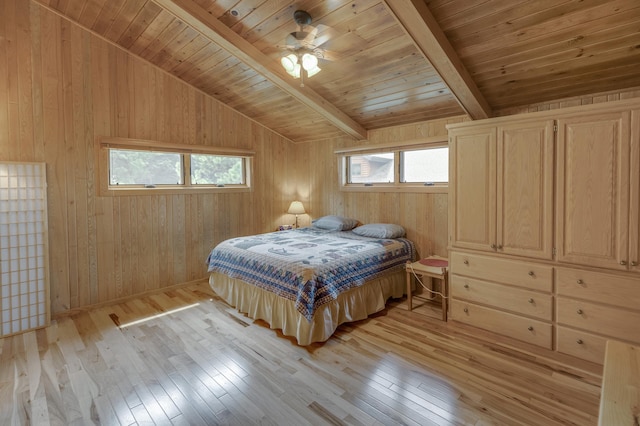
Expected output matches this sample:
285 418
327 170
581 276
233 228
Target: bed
308 281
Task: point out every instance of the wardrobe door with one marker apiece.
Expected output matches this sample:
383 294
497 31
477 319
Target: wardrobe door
472 188
525 189
593 189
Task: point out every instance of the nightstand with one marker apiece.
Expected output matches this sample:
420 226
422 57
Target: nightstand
432 267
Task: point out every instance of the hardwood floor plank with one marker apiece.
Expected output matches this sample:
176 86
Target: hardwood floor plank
39 409
183 356
193 400
105 413
119 405
170 395
64 402
85 389
327 414
238 404
280 413
245 414
165 402
33 362
52 388
20 409
141 415
380 410
199 381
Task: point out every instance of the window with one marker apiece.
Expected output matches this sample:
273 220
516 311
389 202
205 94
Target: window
371 168
128 167
216 170
148 167
414 167
425 165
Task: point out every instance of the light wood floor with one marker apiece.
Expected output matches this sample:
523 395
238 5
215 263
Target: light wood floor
185 357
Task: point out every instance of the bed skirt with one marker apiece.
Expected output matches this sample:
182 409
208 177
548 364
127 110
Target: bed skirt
353 305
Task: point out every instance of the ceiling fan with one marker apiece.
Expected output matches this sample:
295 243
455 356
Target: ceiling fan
303 47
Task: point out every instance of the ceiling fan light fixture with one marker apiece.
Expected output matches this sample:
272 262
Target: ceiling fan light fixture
309 62
313 71
303 48
296 71
289 63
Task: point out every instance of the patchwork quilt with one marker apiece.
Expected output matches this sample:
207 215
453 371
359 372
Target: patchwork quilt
310 266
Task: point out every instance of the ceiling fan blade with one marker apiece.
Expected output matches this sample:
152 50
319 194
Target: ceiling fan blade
308 40
324 34
280 47
349 42
329 55
292 41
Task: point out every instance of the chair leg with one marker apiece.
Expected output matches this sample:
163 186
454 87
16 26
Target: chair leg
445 288
409 307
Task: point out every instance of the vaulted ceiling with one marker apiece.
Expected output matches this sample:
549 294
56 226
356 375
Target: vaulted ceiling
393 62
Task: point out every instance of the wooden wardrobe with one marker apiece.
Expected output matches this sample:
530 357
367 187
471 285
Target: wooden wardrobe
543 228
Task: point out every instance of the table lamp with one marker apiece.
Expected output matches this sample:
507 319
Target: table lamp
296 208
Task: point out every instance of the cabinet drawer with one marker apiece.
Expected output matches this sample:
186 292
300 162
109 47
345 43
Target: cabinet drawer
599 287
523 274
510 325
605 320
581 344
513 299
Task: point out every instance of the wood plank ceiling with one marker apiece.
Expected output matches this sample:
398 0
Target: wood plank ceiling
398 61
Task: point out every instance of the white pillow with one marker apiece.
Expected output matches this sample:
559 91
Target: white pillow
380 230
335 223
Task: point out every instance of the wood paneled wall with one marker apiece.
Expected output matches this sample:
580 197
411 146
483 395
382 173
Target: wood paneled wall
572 101
424 216
61 87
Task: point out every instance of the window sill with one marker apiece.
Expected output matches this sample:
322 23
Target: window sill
428 189
128 192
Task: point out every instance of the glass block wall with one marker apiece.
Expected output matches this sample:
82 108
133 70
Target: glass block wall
24 289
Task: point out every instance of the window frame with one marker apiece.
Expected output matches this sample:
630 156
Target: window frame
105 144
402 165
397 148
349 165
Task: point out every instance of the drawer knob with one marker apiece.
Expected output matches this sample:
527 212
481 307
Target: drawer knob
466 262
500 247
493 246
466 310
634 263
579 311
531 273
466 286
531 300
579 341
622 262
580 281
530 328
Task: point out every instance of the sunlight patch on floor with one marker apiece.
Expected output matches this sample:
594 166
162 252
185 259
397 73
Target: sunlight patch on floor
160 315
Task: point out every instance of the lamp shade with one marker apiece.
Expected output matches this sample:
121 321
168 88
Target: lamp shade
309 61
296 71
291 65
289 62
313 71
296 207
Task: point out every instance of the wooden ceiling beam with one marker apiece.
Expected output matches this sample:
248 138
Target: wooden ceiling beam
418 22
194 15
